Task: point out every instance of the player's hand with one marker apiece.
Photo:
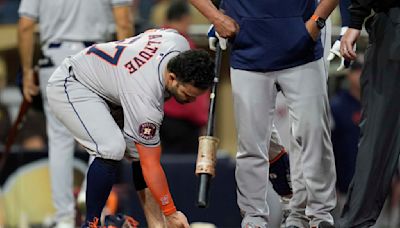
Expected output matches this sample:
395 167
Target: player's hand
312 29
214 37
177 220
225 26
335 51
348 42
30 88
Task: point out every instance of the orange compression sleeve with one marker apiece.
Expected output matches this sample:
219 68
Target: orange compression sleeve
155 178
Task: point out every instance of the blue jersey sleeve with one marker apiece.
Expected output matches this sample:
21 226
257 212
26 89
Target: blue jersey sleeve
344 12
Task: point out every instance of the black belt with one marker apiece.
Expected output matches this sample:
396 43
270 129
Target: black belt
58 44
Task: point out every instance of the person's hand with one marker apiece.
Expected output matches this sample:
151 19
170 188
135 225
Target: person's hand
214 37
30 88
312 29
395 192
177 220
347 43
335 52
225 26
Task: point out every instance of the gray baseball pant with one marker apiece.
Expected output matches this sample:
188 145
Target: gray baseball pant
311 155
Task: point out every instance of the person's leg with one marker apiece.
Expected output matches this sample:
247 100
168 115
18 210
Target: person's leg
299 199
61 143
61 152
279 165
254 101
80 110
298 202
379 145
81 199
61 158
279 173
305 89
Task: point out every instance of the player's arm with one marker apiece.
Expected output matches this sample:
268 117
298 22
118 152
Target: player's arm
324 9
26 40
358 14
224 25
156 181
123 21
155 177
142 120
335 50
344 12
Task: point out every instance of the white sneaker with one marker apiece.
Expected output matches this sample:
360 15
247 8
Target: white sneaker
81 197
202 225
70 223
81 201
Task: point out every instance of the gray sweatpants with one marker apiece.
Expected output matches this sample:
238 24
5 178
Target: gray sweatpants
311 156
379 146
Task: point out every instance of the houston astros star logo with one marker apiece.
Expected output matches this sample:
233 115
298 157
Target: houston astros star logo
147 130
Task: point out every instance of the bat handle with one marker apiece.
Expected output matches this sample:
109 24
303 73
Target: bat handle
204 182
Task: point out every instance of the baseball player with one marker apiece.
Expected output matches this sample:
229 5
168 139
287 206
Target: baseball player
65 27
278 47
137 74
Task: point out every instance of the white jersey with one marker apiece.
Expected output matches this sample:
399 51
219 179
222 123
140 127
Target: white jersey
72 20
129 73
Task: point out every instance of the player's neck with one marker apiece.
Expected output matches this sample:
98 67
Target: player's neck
166 83
165 79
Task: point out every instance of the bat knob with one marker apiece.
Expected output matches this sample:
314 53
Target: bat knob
204 184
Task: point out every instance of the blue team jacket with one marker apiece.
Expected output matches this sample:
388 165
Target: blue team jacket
272 34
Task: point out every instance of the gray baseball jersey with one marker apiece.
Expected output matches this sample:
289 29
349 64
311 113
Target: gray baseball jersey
68 20
129 73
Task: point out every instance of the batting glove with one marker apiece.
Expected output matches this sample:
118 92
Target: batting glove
335 51
213 37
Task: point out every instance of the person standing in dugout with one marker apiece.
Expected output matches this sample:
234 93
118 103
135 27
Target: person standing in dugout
276 45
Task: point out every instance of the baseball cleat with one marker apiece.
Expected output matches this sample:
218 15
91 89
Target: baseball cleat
93 224
285 210
325 224
120 221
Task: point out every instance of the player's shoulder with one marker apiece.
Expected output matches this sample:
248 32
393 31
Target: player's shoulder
171 36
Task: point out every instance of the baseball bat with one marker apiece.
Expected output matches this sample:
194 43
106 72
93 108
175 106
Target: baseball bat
12 133
212 142
17 125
